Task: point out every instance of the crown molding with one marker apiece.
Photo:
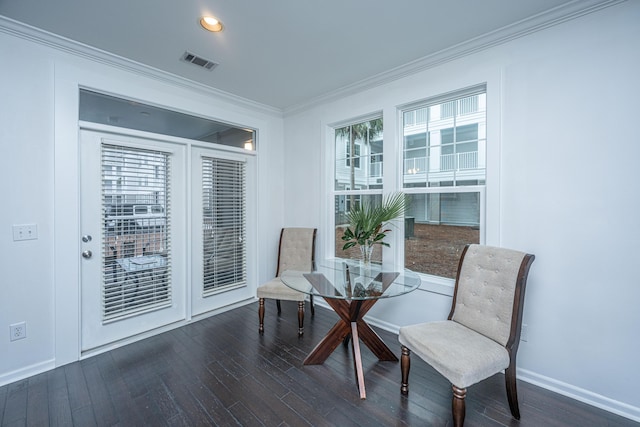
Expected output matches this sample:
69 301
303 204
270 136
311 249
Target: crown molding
72 47
569 11
539 22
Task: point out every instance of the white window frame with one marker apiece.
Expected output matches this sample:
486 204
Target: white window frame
439 283
389 108
330 248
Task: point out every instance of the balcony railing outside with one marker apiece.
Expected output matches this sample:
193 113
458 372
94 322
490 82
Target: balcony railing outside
459 161
415 165
460 107
446 110
448 162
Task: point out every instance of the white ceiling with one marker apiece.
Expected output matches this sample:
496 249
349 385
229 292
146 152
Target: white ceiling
285 53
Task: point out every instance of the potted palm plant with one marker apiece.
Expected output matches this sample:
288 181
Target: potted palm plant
367 222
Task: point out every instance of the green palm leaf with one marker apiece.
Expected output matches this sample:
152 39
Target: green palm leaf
366 221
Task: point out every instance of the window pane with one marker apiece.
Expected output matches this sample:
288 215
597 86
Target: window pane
109 110
446 147
343 204
358 153
137 247
437 227
224 224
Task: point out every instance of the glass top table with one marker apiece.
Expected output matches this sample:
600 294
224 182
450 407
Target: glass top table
351 289
351 280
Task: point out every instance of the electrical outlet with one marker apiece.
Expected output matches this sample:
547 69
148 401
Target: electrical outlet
524 333
18 331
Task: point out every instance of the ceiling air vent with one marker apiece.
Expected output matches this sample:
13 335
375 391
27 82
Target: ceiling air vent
199 61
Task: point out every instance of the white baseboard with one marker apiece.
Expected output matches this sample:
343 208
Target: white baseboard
48 365
582 395
27 371
579 394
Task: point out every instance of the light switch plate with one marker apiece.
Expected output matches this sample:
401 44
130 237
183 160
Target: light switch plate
25 232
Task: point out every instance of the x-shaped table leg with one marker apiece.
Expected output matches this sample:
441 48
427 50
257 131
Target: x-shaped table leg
351 321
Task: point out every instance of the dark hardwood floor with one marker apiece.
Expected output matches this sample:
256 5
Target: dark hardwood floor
219 371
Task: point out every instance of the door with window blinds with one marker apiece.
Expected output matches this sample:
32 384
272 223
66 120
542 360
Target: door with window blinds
219 220
133 244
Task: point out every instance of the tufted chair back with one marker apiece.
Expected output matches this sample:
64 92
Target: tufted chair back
485 290
482 334
296 249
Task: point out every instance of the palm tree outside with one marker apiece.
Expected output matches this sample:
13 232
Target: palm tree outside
363 132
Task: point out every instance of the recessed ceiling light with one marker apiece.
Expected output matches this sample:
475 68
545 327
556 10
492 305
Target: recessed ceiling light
212 24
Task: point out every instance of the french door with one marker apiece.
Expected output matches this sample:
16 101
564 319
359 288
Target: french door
133 228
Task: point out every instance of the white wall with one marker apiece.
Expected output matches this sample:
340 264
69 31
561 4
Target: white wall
39 182
26 185
562 185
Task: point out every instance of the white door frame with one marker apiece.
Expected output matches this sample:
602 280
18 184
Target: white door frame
69 78
95 332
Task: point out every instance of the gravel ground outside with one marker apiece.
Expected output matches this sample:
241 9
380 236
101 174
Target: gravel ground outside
432 249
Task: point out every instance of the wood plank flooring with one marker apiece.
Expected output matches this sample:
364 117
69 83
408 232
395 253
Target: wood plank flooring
220 371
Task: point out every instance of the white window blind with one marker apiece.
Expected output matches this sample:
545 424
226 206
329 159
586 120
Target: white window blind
136 244
224 224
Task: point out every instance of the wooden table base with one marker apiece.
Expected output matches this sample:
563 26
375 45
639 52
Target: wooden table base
351 322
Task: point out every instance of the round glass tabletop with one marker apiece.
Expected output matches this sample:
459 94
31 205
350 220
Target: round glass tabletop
352 280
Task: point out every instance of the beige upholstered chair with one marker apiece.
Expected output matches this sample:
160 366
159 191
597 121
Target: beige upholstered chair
296 252
481 336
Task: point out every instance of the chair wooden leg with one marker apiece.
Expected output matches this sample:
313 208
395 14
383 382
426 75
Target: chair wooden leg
261 315
279 307
512 391
300 317
458 406
313 309
405 365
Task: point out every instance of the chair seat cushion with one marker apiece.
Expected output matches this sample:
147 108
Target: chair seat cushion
460 354
275 289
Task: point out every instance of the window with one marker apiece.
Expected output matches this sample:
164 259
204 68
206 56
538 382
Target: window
441 171
444 158
224 224
108 110
357 176
137 249
356 155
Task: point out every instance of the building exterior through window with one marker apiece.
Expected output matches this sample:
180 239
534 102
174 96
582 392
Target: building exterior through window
443 145
444 173
357 174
